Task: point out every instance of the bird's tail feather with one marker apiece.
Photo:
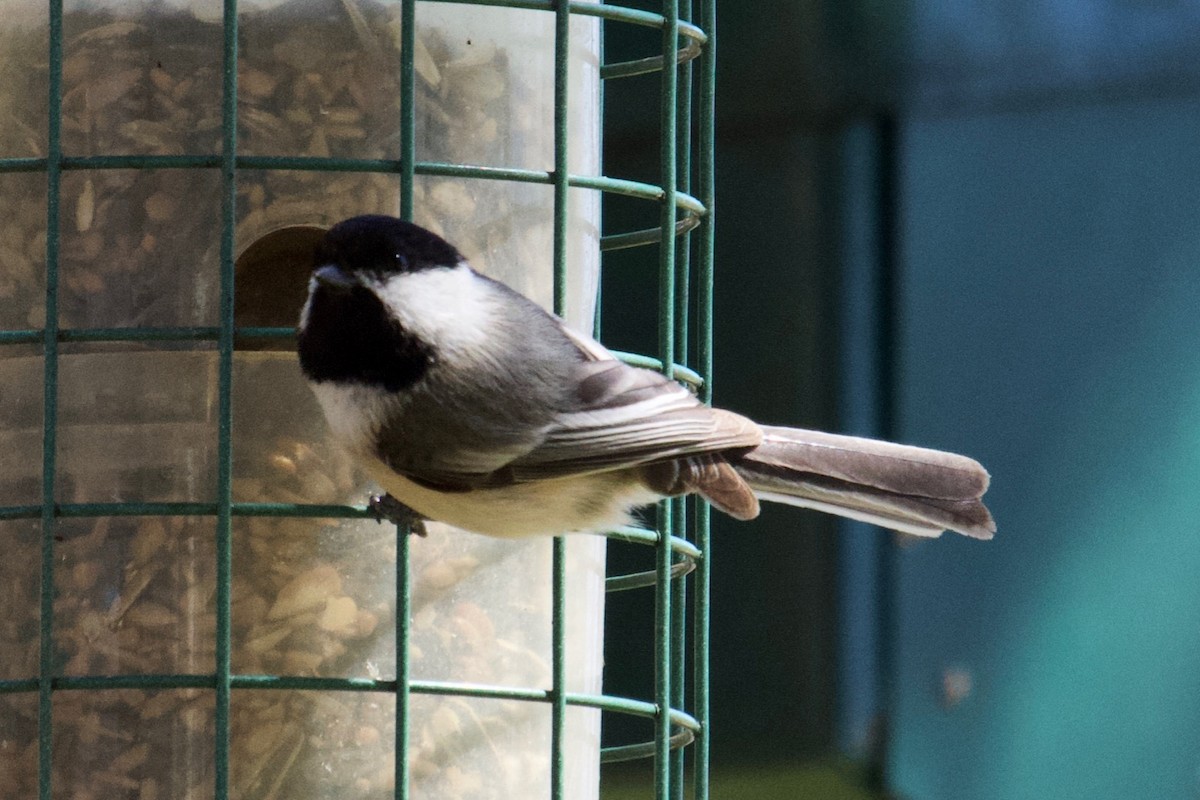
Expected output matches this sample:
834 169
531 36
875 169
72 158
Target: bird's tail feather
904 488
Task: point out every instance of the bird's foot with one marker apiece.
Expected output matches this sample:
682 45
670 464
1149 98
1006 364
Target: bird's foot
385 507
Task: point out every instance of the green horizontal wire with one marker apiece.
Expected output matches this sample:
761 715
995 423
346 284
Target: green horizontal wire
636 752
651 538
688 726
585 9
279 332
644 66
640 580
604 702
77 510
115 335
678 545
678 371
20 512
23 164
689 554
178 334
621 186
144 162
681 372
692 208
623 241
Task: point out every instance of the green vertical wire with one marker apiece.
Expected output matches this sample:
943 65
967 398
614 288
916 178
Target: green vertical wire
408 138
666 346
678 644
558 711
50 404
403 670
603 93
408 82
562 52
704 363
403 632
668 173
224 534
683 146
683 153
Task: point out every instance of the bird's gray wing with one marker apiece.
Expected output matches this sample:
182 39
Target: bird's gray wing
628 416
613 416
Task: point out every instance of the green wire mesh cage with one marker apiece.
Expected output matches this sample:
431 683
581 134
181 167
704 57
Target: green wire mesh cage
195 604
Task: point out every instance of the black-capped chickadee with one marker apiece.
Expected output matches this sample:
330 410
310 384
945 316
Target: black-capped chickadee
471 405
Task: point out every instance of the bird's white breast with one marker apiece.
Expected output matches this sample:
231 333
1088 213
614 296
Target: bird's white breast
354 412
592 503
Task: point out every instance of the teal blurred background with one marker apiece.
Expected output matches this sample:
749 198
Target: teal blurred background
1051 326
973 226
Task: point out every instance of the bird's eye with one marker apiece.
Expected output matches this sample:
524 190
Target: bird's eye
401 261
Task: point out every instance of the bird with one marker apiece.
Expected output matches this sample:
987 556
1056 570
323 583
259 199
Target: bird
470 404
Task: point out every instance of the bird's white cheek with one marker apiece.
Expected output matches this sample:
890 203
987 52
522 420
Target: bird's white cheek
448 305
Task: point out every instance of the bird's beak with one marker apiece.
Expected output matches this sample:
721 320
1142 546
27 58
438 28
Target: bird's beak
334 277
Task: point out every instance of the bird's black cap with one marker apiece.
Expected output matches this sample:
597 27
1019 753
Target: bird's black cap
383 245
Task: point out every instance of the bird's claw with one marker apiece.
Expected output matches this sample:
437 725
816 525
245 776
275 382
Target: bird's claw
385 507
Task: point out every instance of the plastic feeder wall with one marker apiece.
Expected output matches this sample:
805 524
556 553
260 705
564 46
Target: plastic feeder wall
195 603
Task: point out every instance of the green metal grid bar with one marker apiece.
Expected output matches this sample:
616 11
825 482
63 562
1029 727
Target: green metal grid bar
686 555
630 188
686 727
702 585
664 693
683 164
24 164
681 372
408 114
607 12
408 158
692 208
75 510
225 344
558 577
604 702
403 684
50 404
639 580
